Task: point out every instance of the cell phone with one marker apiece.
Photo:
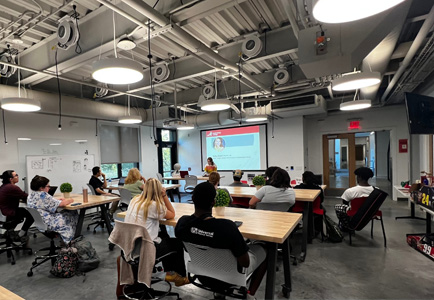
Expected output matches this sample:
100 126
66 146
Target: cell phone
75 204
238 223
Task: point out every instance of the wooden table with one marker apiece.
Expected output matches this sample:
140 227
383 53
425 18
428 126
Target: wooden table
5 294
180 178
273 227
101 201
304 195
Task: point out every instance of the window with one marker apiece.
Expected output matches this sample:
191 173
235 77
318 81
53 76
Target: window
167 151
117 170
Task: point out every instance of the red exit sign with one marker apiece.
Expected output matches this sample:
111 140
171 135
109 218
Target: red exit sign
354 125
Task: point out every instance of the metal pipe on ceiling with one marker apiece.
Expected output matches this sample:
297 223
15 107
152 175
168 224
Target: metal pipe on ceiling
289 9
418 41
77 81
161 20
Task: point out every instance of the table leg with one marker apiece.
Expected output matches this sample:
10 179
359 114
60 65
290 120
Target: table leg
428 223
271 270
80 222
311 233
179 195
105 216
305 231
170 195
412 213
286 287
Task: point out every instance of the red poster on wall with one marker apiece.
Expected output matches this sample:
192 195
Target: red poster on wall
403 146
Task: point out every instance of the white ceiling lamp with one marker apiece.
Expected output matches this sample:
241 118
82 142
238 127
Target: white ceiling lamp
20 104
341 11
126 44
354 81
117 70
355 104
128 118
215 104
24 139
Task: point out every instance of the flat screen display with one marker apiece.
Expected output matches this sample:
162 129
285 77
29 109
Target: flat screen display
242 148
420 113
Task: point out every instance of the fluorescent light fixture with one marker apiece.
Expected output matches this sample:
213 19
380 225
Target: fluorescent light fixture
81 141
356 81
20 104
215 104
55 144
355 105
117 71
341 11
24 139
185 127
256 118
130 119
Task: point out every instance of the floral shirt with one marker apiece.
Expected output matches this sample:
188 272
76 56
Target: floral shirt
63 223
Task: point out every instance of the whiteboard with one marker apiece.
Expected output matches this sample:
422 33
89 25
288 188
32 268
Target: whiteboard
75 169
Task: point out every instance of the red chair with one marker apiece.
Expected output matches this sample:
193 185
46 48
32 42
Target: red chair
316 209
378 215
241 202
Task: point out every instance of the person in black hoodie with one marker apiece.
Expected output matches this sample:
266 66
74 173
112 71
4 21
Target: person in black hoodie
310 182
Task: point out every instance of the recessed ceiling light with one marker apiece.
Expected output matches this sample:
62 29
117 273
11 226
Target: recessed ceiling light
81 141
354 81
24 139
355 105
55 144
341 11
117 71
215 104
20 104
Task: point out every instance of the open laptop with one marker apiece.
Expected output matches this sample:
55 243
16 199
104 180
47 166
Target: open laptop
183 173
52 190
122 181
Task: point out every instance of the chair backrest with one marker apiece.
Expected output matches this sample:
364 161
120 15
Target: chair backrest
183 173
92 190
274 206
2 217
160 177
125 196
190 180
39 223
215 263
367 209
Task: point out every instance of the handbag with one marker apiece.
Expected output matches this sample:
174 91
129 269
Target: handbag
66 263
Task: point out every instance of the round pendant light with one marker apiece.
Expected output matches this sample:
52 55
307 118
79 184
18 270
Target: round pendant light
117 71
215 104
341 11
355 105
20 104
130 120
356 81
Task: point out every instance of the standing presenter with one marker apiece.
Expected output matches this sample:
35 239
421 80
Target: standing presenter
210 167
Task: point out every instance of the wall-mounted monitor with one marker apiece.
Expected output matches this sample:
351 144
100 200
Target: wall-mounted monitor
243 148
420 113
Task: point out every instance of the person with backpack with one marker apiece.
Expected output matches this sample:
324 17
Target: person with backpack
362 189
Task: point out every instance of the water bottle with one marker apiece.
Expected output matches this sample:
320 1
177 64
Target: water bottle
85 198
110 181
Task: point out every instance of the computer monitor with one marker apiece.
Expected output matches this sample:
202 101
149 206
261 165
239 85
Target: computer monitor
122 181
52 190
183 173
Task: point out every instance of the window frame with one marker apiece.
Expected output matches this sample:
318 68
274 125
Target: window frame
173 144
119 168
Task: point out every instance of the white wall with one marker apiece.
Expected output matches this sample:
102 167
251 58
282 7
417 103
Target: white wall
390 118
149 153
286 149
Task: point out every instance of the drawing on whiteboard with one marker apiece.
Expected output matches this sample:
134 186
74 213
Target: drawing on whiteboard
86 162
37 164
76 166
51 162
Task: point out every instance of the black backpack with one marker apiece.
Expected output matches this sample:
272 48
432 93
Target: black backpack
333 233
87 257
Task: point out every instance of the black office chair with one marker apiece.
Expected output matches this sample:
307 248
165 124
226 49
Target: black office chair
52 249
98 220
9 245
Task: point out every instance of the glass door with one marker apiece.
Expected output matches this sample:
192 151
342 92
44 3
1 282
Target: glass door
167 161
339 161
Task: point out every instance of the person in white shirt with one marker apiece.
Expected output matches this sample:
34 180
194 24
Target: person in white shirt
362 189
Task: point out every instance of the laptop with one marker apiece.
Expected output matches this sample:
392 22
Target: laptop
183 173
52 190
122 181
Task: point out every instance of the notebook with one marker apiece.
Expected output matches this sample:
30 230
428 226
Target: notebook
52 190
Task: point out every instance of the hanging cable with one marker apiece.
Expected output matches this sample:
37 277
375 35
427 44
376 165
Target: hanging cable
60 94
4 126
96 127
239 86
75 15
156 3
114 35
153 104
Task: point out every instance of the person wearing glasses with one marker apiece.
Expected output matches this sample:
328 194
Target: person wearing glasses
63 222
10 196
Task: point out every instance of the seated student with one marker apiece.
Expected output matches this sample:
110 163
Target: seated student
134 182
310 183
99 186
362 189
237 175
269 173
64 222
210 167
220 233
279 190
147 209
10 196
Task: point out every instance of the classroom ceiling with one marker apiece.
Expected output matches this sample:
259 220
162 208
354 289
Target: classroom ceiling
216 30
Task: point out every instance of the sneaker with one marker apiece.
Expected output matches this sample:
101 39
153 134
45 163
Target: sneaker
177 279
250 297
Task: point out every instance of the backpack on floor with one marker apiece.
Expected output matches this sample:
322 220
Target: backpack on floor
333 233
66 263
87 257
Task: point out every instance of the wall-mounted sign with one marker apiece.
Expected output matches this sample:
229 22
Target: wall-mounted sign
403 146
